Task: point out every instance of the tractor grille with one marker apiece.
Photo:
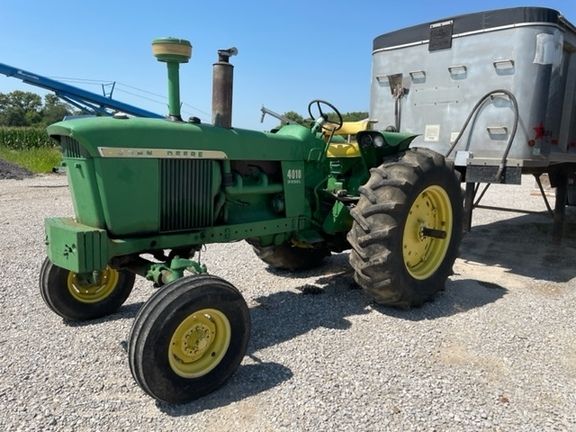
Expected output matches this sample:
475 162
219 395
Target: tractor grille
186 194
71 148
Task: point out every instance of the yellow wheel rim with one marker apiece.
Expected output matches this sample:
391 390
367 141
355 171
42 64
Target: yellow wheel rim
86 292
199 343
429 219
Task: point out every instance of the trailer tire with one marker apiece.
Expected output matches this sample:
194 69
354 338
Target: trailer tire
189 338
289 257
407 205
74 300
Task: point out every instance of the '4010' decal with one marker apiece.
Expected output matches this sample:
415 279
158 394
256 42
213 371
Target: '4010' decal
294 176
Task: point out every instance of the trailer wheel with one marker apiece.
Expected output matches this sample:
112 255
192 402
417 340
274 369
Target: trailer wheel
289 257
74 299
407 229
189 338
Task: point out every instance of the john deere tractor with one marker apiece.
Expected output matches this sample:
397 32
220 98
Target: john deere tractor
148 194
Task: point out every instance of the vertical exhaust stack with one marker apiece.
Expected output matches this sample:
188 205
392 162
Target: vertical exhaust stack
172 51
222 85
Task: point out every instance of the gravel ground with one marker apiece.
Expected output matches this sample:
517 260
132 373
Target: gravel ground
494 352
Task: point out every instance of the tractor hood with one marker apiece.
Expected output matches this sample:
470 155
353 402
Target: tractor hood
103 137
129 176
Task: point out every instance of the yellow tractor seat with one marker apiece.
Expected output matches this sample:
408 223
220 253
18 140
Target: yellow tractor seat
352 128
350 148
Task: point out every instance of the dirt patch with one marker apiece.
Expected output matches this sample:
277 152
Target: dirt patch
490 276
455 354
550 289
14 172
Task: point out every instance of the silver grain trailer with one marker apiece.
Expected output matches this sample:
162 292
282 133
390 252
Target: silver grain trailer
494 91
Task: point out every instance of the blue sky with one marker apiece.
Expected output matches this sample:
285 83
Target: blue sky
290 52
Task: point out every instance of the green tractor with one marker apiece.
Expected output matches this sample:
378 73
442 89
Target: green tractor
148 194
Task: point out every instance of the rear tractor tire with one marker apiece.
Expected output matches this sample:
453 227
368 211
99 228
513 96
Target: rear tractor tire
72 298
289 257
189 338
407 229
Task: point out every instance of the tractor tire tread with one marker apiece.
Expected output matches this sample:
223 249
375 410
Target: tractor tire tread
376 235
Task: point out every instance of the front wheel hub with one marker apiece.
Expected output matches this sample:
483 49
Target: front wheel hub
199 343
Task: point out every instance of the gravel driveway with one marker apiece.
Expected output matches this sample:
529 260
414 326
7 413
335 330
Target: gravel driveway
496 351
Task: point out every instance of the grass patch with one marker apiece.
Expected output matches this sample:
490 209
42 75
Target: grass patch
38 160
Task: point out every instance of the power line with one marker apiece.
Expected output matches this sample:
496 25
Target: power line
84 80
140 96
154 101
164 99
162 96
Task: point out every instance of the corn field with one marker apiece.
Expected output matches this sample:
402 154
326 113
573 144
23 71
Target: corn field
24 138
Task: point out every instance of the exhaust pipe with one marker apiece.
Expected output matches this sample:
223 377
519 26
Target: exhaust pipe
172 52
222 84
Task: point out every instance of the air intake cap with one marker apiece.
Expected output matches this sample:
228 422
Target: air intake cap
172 50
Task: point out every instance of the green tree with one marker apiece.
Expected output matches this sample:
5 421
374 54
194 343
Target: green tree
294 116
20 108
355 116
54 109
347 117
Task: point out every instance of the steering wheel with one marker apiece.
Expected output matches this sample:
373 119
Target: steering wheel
318 103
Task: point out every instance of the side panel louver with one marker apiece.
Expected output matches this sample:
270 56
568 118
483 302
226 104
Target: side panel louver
185 194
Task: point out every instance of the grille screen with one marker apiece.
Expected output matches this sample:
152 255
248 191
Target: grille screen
186 194
71 148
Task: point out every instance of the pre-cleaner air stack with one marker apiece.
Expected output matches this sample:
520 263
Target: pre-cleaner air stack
173 51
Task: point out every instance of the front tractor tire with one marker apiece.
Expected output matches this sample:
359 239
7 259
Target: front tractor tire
75 299
189 338
407 229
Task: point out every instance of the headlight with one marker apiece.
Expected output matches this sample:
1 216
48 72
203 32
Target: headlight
371 140
378 141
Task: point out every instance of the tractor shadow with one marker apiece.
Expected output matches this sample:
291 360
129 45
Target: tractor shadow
278 318
329 301
459 296
524 246
345 298
249 380
126 311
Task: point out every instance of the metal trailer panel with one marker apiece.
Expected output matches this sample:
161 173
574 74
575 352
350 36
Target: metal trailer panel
445 67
